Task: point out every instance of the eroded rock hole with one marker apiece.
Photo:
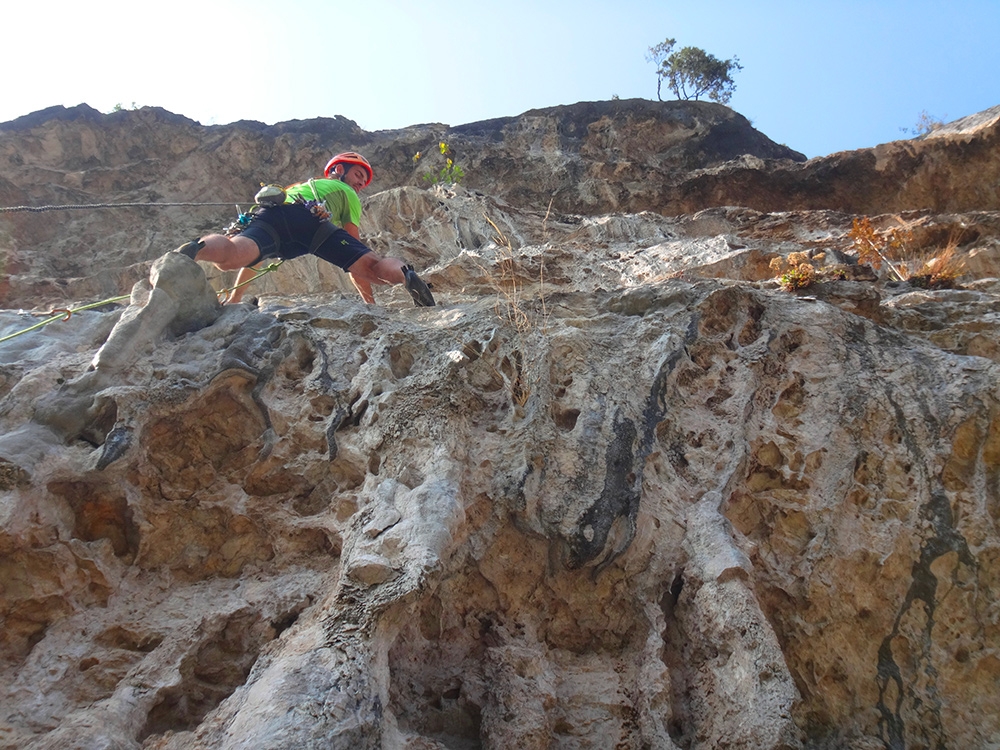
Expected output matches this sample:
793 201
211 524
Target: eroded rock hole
676 654
27 611
323 407
509 650
217 433
129 640
791 340
284 621
565 419
100 512
210 674
473 350
400 361
751 328
512 367
718 314
305 359
358 412
101 417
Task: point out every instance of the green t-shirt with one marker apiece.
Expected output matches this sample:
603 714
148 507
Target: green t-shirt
340 199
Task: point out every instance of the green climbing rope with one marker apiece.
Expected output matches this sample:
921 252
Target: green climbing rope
81 206
260 272
64 314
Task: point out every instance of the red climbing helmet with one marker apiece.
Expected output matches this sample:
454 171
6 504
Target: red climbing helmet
350 158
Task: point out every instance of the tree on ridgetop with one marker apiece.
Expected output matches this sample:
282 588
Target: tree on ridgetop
658 56
692 72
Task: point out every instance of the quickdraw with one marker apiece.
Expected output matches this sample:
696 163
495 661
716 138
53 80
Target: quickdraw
241 222
63 314
316 206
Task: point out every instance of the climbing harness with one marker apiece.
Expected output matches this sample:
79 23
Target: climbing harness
241 222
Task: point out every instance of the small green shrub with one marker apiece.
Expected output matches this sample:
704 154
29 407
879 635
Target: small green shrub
796 272
450 173
926 123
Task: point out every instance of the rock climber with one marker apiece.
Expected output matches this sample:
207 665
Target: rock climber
319 216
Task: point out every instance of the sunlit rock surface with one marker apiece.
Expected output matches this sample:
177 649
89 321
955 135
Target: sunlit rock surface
585 159
618 489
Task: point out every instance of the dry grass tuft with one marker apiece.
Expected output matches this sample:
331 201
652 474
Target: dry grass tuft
892 249
934 269
504 279
941 271
875 248
518 314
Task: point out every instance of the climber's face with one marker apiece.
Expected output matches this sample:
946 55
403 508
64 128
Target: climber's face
356 177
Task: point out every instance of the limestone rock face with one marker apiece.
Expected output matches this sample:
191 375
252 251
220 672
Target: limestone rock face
618 489
955 168
590 159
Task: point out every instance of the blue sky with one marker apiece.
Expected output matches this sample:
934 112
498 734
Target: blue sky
820 77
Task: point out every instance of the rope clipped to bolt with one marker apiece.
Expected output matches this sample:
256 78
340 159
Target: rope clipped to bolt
82 206
65 313
61 313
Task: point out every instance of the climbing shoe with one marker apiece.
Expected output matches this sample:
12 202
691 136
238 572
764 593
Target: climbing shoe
420 292
269 195
190 249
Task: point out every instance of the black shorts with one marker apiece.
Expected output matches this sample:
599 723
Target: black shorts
291 230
